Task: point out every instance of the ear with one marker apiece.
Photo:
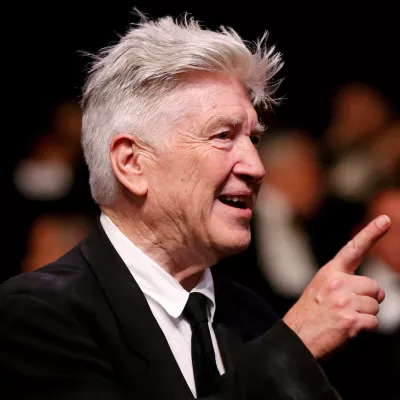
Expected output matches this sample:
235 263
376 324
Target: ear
126 162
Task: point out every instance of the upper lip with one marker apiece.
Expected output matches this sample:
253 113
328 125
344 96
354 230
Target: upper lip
246 196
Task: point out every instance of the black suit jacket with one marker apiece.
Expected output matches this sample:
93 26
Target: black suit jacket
81 328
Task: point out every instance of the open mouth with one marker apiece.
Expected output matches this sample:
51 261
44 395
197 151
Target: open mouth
233 201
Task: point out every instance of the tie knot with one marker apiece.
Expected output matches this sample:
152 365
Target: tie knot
196 309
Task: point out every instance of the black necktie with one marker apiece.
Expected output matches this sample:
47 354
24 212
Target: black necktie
203 357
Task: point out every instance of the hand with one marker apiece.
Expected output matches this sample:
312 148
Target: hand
337 304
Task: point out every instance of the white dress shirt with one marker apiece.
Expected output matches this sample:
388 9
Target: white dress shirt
166 298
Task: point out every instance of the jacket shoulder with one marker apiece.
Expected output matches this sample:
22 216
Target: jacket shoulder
55 282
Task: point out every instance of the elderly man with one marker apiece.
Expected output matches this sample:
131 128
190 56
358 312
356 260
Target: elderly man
133 312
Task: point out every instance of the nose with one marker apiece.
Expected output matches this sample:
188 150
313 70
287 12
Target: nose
249 165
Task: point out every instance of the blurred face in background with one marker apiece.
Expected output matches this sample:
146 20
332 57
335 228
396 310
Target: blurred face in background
387 248
385 150
293 167
358 112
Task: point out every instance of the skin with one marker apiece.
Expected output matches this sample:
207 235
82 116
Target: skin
169 206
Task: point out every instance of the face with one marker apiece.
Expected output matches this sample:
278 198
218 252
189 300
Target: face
202 189
359 111
387 247
297 174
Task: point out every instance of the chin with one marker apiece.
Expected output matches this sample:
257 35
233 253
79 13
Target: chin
230 244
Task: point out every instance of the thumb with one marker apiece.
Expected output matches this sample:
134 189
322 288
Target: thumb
350 256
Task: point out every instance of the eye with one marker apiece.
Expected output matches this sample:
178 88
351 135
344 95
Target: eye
224 140
255 140
224 135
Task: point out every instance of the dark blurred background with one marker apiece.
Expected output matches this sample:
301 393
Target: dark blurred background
332 151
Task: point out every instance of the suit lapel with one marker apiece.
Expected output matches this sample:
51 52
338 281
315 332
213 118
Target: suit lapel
139 328
225 324
240 316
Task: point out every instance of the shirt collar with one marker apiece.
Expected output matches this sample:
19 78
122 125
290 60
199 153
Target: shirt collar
154 281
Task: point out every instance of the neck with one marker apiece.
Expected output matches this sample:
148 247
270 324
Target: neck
175 256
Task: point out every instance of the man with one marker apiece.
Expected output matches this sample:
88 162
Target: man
170 135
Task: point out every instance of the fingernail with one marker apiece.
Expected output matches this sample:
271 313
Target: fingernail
383 221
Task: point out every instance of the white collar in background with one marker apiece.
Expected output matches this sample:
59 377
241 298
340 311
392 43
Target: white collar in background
273 205
389 309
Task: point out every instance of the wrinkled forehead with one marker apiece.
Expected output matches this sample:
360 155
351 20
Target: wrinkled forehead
217 95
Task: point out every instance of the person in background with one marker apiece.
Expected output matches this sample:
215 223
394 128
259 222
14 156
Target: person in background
51 236
383 263
52 192
360 115
47 173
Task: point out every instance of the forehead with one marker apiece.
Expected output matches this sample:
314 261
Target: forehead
218 96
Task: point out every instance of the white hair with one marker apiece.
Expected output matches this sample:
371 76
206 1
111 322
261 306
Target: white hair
129 84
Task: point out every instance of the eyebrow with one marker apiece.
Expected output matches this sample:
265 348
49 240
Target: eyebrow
223 121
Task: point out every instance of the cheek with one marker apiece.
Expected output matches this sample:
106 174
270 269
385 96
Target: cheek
196 179
212 167
221 162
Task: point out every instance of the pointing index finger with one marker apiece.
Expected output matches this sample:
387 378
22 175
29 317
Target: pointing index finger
351 255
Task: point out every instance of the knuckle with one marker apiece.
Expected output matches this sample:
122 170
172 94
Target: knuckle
335 284
371 307
349 322
352 247
341 301
369 285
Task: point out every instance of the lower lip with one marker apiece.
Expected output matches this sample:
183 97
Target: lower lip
246 213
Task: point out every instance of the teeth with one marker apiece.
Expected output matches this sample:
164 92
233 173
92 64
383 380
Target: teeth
232 198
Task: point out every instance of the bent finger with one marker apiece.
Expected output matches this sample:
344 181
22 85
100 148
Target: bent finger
367 305
364 286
